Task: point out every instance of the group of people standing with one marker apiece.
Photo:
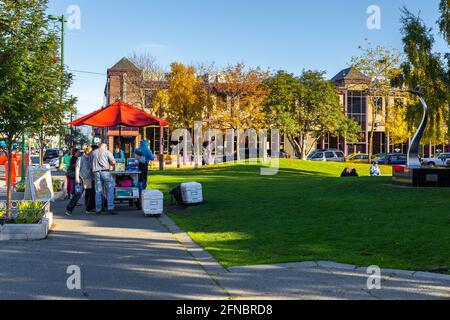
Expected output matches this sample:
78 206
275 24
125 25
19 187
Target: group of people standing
90 173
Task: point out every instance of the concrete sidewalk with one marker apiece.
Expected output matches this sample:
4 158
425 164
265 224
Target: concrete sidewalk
121 257
132 257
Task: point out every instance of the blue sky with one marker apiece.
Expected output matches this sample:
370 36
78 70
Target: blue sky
283 34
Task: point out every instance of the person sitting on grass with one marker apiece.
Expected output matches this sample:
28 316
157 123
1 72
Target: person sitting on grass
375 170
349 172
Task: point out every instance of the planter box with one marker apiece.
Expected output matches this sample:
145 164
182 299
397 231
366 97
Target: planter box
28 232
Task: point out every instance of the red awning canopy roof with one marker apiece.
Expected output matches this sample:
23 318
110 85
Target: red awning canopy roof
119 114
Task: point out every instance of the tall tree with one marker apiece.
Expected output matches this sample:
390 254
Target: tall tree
396 125
424 69
244 94
30 76
307 106
444 19
160 103
184 105
380 65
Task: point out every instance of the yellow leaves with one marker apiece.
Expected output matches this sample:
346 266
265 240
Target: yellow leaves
245 95
396 124
184 102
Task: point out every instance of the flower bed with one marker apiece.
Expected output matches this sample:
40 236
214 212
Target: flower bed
26 220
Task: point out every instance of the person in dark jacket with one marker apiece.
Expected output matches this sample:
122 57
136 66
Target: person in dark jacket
145 155
77 188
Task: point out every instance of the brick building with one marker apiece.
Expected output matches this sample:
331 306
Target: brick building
127 83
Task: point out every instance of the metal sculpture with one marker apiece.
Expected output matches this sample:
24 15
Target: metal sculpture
413 152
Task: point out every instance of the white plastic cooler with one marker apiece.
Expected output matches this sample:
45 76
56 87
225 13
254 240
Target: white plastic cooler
152 202
192 192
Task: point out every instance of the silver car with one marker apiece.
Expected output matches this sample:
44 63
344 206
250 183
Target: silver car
327 156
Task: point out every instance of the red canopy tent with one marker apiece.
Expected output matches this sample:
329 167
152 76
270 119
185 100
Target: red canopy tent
121 114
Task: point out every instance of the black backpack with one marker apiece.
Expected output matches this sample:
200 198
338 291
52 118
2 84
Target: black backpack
177 195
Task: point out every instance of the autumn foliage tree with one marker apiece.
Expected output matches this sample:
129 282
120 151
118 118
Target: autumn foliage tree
243 93
184 96
424 69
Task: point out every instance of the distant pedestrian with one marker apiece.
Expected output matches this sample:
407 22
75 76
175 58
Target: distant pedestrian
77 190
102 160
146 155
69 179
118 153
375 170
83 174
143 170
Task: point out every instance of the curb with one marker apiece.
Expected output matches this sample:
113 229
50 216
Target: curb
330 265
203 258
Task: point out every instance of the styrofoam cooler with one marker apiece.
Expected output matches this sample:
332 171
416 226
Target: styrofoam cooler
152 202
192 192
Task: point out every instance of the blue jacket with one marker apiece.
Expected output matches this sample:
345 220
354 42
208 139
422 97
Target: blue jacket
119 155
146 152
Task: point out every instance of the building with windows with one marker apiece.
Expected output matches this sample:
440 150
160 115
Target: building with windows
352 87
128 83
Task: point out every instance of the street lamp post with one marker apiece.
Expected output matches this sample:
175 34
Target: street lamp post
62 20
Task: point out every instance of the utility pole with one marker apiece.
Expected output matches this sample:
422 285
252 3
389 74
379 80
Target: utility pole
63 21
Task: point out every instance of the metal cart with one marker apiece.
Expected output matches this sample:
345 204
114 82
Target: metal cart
132 193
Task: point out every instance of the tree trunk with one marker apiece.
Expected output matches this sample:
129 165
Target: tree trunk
295 144
9 179
386 117
185 145
372 130
41 152
303 146
238 144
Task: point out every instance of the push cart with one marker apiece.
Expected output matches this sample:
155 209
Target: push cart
127 191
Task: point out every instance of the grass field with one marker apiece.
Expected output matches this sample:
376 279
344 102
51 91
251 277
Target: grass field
307 212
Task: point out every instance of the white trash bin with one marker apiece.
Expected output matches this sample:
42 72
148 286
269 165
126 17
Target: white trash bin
152 203
192 193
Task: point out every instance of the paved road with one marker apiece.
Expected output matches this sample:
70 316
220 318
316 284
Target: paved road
121 257
132 257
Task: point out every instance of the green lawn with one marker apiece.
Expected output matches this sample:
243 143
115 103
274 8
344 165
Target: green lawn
307 212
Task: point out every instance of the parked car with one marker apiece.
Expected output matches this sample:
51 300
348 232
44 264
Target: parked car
441 160
34 161
51 154
54 163
358 158
327 156
392 159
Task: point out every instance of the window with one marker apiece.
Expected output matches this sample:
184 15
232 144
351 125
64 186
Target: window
356 109
329 155
318 155
340 155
